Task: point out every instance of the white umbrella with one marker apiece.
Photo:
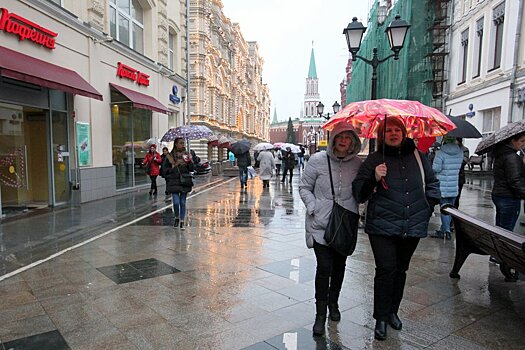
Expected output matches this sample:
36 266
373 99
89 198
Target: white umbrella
263 146
294 148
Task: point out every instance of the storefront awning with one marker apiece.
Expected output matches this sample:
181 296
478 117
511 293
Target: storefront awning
140 100
22 67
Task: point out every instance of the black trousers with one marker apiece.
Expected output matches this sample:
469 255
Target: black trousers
329 274
286 170
153 187
392 257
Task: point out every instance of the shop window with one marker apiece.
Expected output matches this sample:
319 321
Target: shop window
130 127
464 56
478 48
127 23
498 17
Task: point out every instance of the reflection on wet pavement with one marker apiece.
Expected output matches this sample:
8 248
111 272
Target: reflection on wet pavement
240 277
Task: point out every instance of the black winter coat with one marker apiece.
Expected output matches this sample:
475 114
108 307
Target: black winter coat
244 160
507 171
172 175
402 209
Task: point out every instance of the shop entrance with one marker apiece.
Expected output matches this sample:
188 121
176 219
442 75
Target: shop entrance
34 163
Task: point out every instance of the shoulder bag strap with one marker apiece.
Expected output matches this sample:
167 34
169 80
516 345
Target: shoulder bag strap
330 172
418 158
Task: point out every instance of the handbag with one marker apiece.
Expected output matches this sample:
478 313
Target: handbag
186 179
147 168
341 232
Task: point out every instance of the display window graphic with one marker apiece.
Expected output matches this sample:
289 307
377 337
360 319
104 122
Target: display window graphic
13 169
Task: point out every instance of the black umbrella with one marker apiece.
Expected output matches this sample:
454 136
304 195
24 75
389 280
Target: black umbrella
240 147
463 129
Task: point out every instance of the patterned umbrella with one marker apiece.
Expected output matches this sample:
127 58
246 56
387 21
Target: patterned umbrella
502 134
191 132
365 116
263 146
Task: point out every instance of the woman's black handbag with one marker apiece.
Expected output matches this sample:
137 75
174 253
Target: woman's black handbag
186 179
341 232
147 168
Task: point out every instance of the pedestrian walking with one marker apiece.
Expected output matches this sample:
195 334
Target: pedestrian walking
231 158
164 166
266 166
462 179
243 162
300 158
289 163
401 190
316 192
277 158
446 166
179 180
509 181
152 163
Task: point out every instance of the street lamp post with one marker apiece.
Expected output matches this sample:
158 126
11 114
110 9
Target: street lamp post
396 33
320 109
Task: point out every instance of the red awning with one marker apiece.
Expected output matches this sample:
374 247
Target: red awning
32 70
140 100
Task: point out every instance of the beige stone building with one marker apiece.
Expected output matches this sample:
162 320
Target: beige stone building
227 92
84 83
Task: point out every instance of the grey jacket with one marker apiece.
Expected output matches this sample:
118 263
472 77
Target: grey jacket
315 189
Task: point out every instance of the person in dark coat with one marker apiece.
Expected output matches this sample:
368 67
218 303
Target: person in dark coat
401 190
164 166
181 164
461 180
288 163
153 160
243 162
509 183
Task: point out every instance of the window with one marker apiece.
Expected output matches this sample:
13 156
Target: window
171 55
478 48
464 56
126 22
498 16
491 120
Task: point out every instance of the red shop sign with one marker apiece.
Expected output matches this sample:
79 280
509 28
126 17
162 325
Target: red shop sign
25 29
127 72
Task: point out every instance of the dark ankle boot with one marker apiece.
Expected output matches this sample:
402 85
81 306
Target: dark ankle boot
380 330
395 322
320 319
335 315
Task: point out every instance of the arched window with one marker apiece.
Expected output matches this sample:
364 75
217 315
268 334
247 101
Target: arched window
126 18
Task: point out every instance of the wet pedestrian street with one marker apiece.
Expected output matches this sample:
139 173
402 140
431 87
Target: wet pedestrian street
240 277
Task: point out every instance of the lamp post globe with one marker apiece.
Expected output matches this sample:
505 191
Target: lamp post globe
354 34
396 33
336 107
320 108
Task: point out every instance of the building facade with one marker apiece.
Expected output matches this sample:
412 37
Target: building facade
487 64
227 92
84 85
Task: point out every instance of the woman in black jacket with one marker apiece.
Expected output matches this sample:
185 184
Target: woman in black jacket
179 182
401 190
509 184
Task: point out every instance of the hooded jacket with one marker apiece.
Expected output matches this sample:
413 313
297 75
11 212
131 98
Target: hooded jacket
446 166
404 208
315 189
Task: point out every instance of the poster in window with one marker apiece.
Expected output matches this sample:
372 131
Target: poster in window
83 144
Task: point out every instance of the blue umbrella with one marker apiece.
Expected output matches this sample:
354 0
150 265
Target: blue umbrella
191 132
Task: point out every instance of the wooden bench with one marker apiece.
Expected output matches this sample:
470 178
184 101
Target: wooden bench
478 237
475 160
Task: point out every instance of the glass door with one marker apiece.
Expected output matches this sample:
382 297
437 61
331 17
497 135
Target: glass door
60 157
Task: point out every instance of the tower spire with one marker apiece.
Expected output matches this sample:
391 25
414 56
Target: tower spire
312 72
274 120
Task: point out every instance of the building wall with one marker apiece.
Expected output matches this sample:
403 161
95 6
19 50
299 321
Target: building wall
227 89
493 88
83 47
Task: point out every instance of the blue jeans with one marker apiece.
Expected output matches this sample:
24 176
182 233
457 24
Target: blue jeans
507 211
179 204
446 219
243 175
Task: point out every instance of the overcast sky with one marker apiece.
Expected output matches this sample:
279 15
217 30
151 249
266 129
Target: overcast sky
284 30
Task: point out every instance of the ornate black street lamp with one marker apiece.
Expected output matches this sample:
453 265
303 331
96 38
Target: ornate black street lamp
320 109
396 33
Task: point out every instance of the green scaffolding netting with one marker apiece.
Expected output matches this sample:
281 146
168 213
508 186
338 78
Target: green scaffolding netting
409 76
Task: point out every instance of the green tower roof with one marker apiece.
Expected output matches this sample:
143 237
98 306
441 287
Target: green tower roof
312 72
